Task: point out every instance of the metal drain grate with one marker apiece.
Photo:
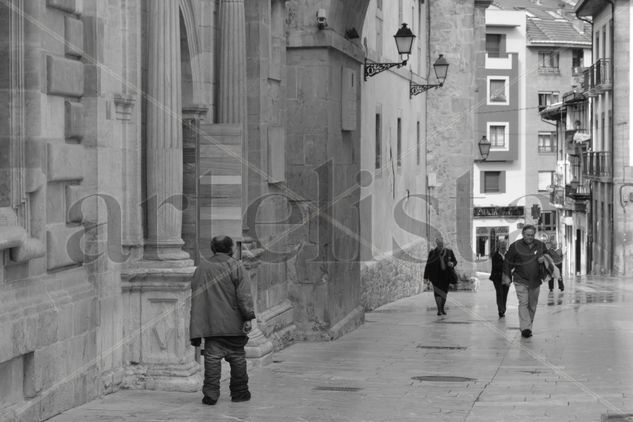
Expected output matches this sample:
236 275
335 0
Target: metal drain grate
327 388
420 346
442 378
617 418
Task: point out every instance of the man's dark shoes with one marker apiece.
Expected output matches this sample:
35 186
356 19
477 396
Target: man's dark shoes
443 312
439 312
208 400
526 333
246 396
502 314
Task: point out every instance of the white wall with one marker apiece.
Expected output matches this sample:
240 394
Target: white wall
389 92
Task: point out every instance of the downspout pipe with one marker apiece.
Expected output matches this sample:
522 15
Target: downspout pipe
611 131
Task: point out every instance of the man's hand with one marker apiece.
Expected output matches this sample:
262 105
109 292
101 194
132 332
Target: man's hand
505 280
247 327
195 342
540 259
450 264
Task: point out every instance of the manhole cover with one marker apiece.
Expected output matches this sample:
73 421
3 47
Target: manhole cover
420 346
442 378
454 322
326 388
617 418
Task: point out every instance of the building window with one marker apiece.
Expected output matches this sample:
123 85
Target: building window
378 141
399 143
577 55
482 241
498 135
547 221
546 99
417 142
545 180
495 45
498 90
548 61
545 142
493 182
379 4
379 36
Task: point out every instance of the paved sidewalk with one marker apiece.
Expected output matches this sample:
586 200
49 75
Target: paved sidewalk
577 367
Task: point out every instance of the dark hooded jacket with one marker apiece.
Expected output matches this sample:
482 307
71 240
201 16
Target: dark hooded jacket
221 299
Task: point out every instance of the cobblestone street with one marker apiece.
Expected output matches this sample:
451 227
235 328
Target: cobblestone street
407 364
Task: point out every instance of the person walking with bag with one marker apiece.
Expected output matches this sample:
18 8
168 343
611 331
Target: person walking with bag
221 313
439 270
557 256
523 266
496 275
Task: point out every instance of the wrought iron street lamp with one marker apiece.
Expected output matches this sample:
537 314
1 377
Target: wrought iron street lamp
404 41
441 69
484 147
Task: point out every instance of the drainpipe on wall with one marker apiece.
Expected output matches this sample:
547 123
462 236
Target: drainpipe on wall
611 132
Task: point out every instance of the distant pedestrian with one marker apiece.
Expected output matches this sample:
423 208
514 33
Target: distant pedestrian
557 256
439 270
221 313
522 265
496 275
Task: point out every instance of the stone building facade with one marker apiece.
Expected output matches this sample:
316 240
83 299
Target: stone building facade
139 129
417 149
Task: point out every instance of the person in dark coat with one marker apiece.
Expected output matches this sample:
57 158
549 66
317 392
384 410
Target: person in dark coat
525 266
439 270
221 313
496 275
557 256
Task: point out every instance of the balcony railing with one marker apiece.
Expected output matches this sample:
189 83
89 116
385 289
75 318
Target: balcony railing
577 192
599 77
597 164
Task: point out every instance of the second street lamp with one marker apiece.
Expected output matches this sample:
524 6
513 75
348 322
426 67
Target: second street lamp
440 67
484 147
404 42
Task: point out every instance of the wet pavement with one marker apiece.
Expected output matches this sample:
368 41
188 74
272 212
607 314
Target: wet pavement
407 364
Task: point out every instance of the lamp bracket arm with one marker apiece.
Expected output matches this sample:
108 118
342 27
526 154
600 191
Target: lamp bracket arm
372 69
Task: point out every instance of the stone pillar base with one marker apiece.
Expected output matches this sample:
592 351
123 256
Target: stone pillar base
259 350
186 377
156 302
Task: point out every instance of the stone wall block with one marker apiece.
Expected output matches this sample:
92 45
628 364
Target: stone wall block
62 251
64 76
65 5
6 348
65 162
74 34
25 335
74 127
81 206
85 315
61 398
66 322
47 328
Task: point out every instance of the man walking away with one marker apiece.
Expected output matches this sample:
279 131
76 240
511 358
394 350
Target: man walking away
557 256
221 313
522 265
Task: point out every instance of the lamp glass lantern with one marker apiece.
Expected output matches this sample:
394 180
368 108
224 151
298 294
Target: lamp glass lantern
484 147
441 69
404 40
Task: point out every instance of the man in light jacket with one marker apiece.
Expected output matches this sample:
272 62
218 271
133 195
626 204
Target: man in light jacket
221 313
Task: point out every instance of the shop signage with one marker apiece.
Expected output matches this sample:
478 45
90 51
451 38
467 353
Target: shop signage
498 211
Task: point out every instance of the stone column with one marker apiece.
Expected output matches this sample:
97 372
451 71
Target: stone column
157 290
232 76
232 109
164 133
